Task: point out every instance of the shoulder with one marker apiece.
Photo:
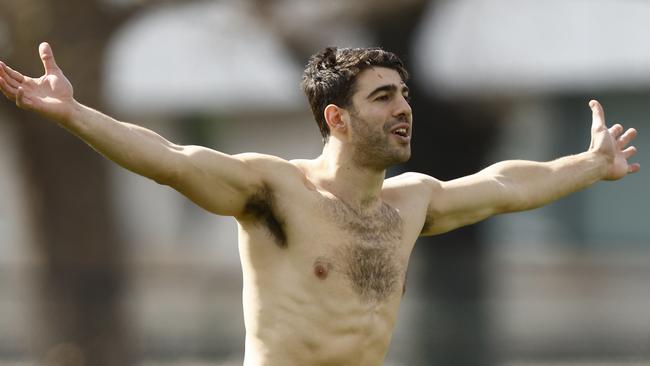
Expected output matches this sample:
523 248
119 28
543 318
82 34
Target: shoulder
409 181
260 160
277 174
412 189
269 165
411 193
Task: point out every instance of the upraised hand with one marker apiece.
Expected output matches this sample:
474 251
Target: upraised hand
612 144
50 95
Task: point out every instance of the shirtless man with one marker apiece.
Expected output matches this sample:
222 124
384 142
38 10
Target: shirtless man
325 243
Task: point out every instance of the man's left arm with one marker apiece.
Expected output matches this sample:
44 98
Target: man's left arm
517 185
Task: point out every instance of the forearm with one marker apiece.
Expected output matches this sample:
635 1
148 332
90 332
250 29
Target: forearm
518 185
529 184
132 147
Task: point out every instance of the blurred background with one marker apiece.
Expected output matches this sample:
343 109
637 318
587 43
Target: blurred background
99 266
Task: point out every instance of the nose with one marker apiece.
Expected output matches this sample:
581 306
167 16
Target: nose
403 107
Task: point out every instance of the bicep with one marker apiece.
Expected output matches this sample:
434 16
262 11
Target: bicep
217 182
466 200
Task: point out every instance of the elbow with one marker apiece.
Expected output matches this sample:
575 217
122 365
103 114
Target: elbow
516 203
519 200
167 170
166 174
164 177
514 198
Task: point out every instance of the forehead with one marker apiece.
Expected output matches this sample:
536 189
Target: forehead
374 77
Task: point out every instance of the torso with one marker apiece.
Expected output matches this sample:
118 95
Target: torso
323 281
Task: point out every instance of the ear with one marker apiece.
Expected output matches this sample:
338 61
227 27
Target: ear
334 118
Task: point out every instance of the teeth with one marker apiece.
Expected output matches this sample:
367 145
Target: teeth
401 131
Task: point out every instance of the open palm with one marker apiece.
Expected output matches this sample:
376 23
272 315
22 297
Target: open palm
50 95
612 144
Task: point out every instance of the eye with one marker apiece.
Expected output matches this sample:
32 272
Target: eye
382 98
407 98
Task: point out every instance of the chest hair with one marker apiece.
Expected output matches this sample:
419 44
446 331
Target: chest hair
367 257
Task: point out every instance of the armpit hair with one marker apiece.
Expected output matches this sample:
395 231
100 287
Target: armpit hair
262 208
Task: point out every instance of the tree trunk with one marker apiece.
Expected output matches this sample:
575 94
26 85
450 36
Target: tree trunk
81 283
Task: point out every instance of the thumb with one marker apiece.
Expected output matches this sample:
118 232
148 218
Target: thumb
47 56
598 115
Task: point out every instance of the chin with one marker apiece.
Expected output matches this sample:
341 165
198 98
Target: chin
405 155
400 158
405 158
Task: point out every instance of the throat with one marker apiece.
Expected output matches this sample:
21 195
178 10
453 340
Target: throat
359 185
362 202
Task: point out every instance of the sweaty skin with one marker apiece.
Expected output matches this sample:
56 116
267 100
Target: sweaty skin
325 243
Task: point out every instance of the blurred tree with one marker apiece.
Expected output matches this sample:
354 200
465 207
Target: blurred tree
82 280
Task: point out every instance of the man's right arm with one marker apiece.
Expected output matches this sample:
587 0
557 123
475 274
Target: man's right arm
218 182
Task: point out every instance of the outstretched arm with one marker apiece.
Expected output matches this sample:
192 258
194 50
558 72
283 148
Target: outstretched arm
218 182
522 185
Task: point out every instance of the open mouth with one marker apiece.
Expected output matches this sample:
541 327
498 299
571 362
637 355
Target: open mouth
401 132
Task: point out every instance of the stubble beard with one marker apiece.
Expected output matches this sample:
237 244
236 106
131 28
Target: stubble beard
373 148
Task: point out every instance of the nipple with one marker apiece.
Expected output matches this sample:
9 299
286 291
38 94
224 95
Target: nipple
321 270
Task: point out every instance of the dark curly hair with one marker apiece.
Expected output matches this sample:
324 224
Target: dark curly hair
330 75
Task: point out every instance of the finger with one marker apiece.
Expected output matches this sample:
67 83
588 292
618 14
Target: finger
616 130
628 136
47 56
21 100
629 152
598 115
3 74
12 74
8 90
633 168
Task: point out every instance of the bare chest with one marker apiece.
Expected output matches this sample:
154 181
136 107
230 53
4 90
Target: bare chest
330 243
363 250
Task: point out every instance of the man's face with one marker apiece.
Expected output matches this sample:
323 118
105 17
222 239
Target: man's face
380 119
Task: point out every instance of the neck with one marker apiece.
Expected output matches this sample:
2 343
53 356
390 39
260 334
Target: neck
335 171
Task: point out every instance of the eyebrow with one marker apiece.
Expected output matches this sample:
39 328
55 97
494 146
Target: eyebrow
387 88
